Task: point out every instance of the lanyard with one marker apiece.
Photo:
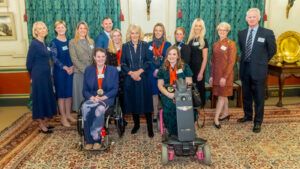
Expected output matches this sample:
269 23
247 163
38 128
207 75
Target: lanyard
173 75
100 79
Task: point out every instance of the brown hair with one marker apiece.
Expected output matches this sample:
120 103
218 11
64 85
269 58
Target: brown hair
179 29
164 31
95 52
179 64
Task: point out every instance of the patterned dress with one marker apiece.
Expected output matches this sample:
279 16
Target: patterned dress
222 62
169 108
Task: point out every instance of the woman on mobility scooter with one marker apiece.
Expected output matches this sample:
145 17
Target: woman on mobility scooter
100 88
172 69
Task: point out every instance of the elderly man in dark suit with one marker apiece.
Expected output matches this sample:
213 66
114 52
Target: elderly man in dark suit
257 47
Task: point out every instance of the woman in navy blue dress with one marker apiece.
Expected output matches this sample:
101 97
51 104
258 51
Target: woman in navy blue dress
100 88
38 57
135 63
63 73
158 48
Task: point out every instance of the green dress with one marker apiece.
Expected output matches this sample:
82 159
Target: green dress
169 108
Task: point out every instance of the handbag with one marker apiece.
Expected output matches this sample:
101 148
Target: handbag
196 97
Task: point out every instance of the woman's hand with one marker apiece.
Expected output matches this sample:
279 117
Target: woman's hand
222 82
210 81
200 76
170 95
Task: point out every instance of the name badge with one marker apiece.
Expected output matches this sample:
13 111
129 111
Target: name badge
150 48
100 76
65 48
196 43
48 49
179 71
92 46
223 47
119 68
261 39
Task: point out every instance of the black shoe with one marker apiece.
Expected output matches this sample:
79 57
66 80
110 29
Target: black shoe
150 133
225 118
50 127
135 129
154 120
244 119
256 128
218 126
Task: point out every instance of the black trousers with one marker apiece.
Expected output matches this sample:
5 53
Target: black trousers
253 91
136 120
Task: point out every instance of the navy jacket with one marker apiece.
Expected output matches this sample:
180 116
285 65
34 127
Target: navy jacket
264 47
102 40
110 83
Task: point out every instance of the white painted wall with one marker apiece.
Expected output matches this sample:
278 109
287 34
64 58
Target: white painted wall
13 53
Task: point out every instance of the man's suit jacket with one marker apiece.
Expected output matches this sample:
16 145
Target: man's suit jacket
102 40
263 49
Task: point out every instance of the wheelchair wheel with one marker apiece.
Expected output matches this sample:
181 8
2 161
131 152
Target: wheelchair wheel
207 155
164 154
120 126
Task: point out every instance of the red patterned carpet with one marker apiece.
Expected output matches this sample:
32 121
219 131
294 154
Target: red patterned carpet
233 146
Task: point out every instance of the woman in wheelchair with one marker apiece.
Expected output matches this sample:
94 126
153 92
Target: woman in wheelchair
100 87
172 69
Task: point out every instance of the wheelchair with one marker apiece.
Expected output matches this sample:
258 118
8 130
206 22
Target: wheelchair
112 115
186 143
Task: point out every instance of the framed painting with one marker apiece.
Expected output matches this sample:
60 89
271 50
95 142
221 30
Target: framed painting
7 26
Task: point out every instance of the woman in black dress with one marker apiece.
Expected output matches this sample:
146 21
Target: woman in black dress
199 52
135 63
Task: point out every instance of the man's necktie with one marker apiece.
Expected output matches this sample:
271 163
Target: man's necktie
248 47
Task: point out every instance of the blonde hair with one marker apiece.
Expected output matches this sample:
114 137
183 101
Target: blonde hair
34 27
254 10
179 63
58 23
76 38
111 45
201 35
179 29
224 25
164 31
131 28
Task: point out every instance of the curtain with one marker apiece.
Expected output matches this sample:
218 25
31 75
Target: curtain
72 11
213 12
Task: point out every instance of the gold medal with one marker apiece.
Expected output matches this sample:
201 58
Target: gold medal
170 89
100 92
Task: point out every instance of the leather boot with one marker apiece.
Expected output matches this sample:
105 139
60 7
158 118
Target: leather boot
136 120
149 124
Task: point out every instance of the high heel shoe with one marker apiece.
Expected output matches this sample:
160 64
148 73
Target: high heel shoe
225 118
218 126
45 131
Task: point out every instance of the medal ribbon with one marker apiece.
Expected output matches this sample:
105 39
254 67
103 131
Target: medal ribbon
158 51
100 80
173 75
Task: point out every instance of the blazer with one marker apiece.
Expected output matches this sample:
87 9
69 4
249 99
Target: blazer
80 56
263 49
102 40
110 83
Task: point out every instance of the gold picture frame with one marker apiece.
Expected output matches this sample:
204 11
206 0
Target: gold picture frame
3 3
7 26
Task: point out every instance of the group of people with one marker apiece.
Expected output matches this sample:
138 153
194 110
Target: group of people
91 75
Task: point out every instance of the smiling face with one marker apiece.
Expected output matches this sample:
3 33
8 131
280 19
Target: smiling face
116 37
60 29
82 31
179 35
172 56
223 32
107 25
158 32
100 58
134 36
252 18
41 30
197 28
